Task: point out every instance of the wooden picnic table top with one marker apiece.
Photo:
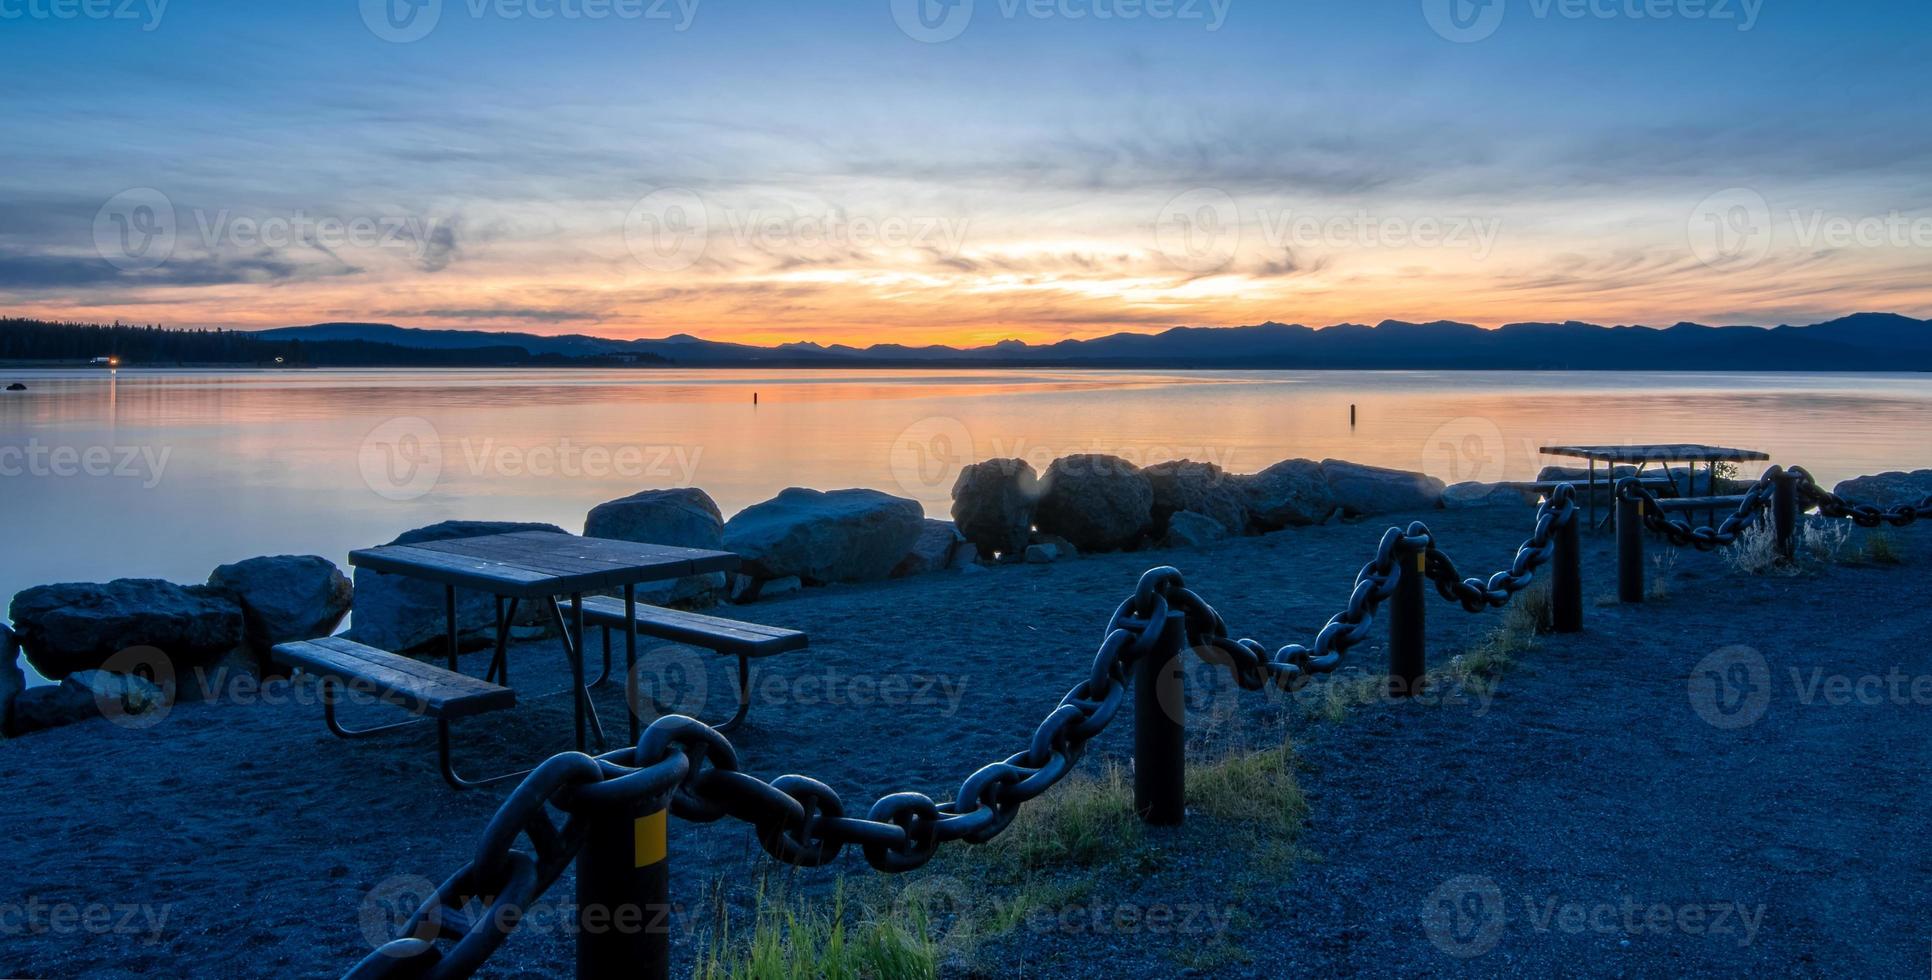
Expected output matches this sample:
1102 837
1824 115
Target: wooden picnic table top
537 564
1659 453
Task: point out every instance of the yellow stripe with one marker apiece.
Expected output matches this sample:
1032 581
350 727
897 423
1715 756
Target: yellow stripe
648 832
1421 561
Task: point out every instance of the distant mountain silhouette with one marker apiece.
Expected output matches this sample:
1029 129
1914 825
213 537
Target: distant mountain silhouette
1861 342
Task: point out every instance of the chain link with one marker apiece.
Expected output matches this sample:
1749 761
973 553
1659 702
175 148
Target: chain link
1810 494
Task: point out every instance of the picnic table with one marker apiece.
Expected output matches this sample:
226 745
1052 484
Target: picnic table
544 566
1659 453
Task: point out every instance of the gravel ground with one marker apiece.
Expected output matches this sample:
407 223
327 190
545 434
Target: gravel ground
1584 817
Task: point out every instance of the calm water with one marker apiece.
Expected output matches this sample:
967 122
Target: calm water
169 473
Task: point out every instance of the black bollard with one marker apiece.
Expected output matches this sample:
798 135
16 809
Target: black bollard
1566 578
1160 728
623 895
1784 514
1630 546
1407 615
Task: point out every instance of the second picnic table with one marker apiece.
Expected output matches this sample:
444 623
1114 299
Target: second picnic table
543 566
1644 455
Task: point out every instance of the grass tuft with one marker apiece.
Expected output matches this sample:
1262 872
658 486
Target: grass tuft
801 941
1081 822
1258 789
1880 549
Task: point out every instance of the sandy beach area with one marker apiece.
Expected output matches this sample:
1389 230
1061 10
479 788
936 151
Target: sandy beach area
1588 812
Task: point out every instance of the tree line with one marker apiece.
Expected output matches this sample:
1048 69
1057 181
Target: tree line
151 345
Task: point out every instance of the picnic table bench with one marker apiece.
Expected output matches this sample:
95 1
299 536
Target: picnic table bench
1642 456
527 566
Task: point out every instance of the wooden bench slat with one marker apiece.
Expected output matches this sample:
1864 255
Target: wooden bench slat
404 681
1700 503
714 632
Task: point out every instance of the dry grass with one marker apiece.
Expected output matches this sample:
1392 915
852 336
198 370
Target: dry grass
1756 552
1663 565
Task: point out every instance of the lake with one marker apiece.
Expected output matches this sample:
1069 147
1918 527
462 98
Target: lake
169 473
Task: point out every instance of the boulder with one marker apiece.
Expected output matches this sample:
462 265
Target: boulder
1474 494
1100 503
685 517
1190 530
78 626
286 597
12 679
403 615
1062 548
993 504
83 695
841 536
16 386
1041 554
1291 493
932 551
1884 490
1362 490
1203 488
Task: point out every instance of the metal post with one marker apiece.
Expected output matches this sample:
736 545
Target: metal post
1566 578
449 623
1630 547
1407 615
1160 727
623 895
1784 514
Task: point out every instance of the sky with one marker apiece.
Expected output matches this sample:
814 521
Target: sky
961 171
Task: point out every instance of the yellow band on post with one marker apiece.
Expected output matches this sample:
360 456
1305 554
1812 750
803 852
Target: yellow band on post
1421 561
648 831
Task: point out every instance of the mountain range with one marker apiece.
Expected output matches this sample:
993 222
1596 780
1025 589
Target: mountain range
1860 342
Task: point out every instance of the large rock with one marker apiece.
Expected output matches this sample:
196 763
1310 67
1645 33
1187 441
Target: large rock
841 536
1473 494
403 614
12 679
1100 503
1362 490
82 696
1885 490
1202 488
286 597
78 626
993 504
1291 493
1190 530
932 551
685 517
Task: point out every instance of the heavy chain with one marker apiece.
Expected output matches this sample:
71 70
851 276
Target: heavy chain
799 820
506 880
1680 532
1477 594
1810 494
